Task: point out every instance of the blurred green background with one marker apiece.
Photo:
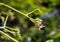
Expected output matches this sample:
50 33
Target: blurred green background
28 32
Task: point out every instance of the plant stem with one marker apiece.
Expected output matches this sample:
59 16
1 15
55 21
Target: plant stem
6 21
9 31
9 36
1 27
34 11
12 8
20 11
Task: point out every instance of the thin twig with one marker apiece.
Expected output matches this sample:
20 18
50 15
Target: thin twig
12 8
10 28
20 11
1 27
34 11
9 31
6 21
9 36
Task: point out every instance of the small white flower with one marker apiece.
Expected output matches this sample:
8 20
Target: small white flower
40 25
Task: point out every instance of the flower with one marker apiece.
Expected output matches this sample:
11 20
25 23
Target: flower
40 25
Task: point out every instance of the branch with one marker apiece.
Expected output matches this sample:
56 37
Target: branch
20 11
34 11
6 21
9 31
12 8
9 36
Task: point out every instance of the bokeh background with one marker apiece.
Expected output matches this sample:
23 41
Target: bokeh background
28 32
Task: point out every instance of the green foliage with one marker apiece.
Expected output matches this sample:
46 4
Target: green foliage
19 18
